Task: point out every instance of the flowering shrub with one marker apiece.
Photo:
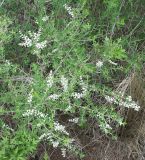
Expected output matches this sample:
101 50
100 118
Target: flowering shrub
67 65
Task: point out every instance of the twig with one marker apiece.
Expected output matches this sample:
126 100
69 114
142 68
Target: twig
136 26
2 3
25 79
114 25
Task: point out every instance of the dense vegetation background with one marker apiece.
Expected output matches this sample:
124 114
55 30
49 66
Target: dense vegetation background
72 79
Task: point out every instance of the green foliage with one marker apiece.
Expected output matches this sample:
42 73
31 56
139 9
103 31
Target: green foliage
4 36
113 50
17 145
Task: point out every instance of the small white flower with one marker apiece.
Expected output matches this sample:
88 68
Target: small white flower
35 36
64 83
109 99
45 18
77 95
7 127
42 136
49 80
55 144
27 41
41 45
60 128
129 98
63 151
69 10
35 113
45 135
33 39
108 126
30 98
118 99
84 90
84 86
8 62
99 64
74 120
54 97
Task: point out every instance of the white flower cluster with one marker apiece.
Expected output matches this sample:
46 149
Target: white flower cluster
60 128
29 100
74 120
33 39
63 151
7 127
64 83
8 62
69 10
35 36
78 95
84 90
54 97
49 137
55 141
110 99
106 127
27 41
45 18
127 102
41 45
55 144
99 64
35 113
45 136
49 80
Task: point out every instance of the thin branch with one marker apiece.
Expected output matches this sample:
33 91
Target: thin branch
117 17
23 79
2 3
